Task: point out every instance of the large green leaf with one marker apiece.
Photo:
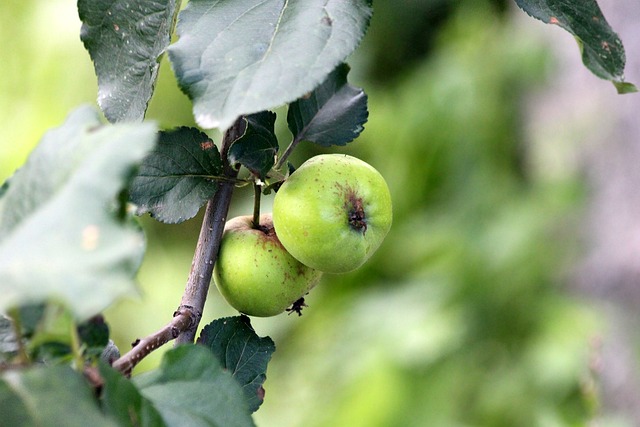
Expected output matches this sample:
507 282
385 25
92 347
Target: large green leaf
178 176
242 352
60 235
602 50
191 389
125 40
51 396
238 57
333 114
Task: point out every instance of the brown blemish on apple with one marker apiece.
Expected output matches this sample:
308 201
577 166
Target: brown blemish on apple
354 207
301 269
268 236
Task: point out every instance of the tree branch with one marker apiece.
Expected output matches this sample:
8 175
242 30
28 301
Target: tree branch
187 317
145 346
204 259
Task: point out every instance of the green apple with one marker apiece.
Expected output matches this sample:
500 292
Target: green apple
255 273
333 212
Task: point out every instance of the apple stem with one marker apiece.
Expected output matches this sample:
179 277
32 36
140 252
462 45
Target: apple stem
257 192
186 318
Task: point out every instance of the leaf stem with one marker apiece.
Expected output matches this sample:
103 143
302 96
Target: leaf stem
187 317
76 349
285 155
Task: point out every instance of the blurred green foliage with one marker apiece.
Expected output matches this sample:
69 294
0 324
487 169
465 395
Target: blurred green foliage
461 318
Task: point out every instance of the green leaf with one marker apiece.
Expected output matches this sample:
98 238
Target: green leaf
237 57
256 149
51 396
241 352
178 176
333 114
94 334
52 339
191 389
30 317
601 48
60 237
625 87
125 41
123 402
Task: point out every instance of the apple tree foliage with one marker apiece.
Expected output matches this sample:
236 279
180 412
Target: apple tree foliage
70 245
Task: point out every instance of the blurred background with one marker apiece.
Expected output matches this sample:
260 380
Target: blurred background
506 291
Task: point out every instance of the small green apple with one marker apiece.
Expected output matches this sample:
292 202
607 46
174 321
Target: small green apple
255 273
333 212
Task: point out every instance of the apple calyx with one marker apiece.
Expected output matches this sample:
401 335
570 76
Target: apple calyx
297 307
356 217
355 211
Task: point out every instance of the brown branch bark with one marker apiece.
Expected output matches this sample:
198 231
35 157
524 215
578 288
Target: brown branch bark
187 317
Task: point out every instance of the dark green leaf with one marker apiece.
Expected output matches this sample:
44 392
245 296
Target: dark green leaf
178 177
333 114
123 402
59 236
256 149
602 50
237 57
51 396
94 334
242 352
125 40
30 317
191 389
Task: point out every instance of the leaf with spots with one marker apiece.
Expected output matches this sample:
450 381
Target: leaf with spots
62 232
125 39
602 50
242 352
333 114
239 57
178 176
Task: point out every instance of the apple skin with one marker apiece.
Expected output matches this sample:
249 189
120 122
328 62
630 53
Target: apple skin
255 273
333 212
